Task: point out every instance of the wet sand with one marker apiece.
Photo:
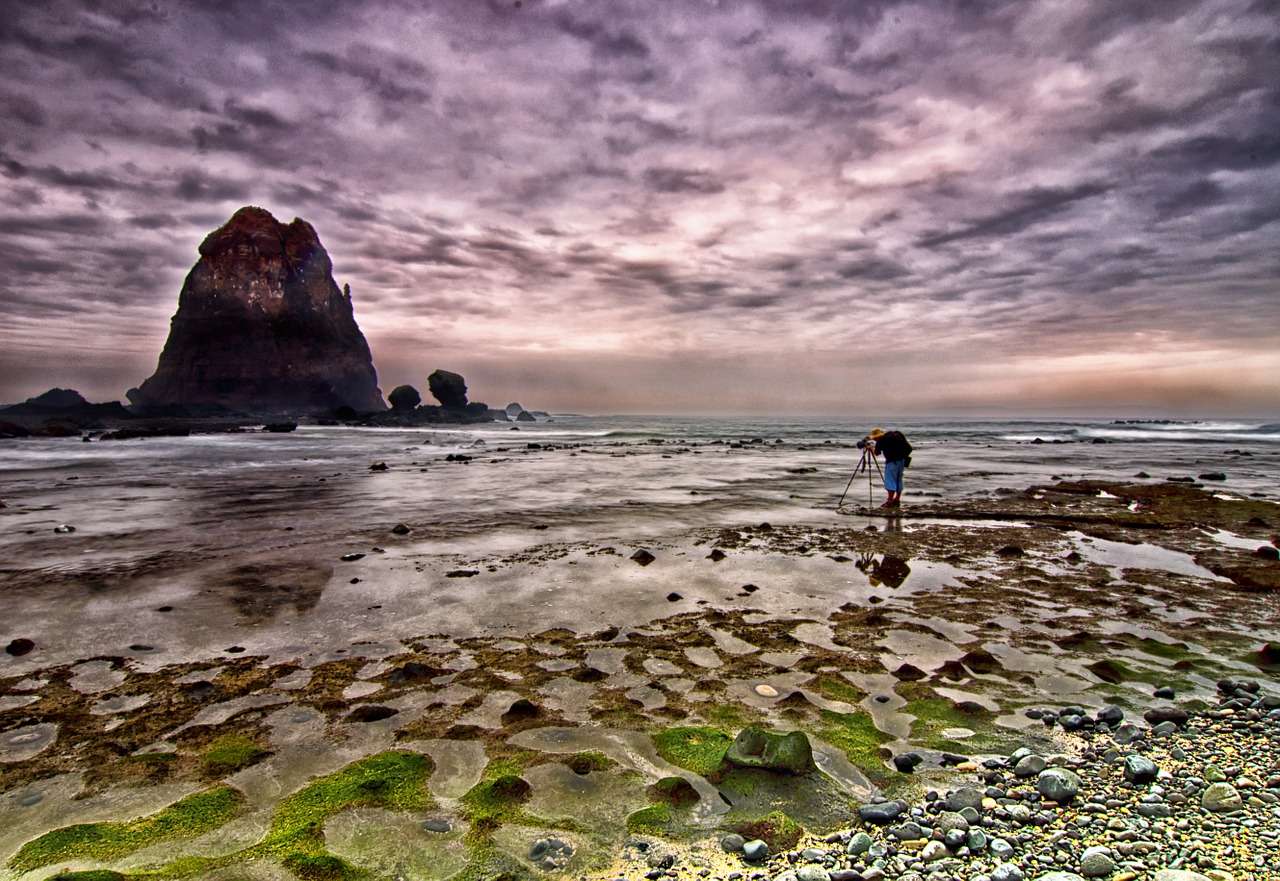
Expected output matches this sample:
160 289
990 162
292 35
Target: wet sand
532 654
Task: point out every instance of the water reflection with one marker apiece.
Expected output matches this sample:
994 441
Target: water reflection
885 569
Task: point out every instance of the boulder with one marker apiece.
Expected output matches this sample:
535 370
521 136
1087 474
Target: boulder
514 410
261 327
525 416
788 753
449 389
404 397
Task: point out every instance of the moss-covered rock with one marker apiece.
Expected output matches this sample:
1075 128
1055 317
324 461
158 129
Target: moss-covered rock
192 816
789 753
700 750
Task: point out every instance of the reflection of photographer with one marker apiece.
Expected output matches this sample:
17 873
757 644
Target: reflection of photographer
888 569
896 450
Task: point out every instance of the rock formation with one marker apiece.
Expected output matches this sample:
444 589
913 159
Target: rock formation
261 327
404 397
449 389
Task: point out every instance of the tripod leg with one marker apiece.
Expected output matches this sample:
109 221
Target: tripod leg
846 489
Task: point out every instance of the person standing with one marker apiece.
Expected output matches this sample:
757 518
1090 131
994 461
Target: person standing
896 450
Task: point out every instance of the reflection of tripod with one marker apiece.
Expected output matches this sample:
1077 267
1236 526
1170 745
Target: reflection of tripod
864 464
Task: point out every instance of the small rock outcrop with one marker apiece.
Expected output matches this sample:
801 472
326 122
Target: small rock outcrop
262 327
788 753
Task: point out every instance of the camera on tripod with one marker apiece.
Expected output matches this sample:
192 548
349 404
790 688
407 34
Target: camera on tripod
865 442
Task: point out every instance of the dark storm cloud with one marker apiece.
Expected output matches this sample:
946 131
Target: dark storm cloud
681 180
195 185
392 79
1027 210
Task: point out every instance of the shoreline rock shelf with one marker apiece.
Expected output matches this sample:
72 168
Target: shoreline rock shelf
1210 813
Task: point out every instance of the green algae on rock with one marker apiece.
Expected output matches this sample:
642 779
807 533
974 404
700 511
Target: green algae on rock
192 816
700 750
789 753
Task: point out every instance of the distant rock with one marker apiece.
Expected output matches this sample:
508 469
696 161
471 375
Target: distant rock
58 413
514 410
404 397
61 398
262 327
449 389
525 416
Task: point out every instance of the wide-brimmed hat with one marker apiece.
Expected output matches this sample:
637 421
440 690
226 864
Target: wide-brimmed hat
876 433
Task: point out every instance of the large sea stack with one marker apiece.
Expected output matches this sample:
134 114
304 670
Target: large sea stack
262 327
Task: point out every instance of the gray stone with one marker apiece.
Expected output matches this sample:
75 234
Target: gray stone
1140 769
1221 797
858 844
977 840
732 843
964 797
949 820
906 832
1178 875
1001 849
1029 766
755 851
1058 784
885 812
811 872
1058 876
1007 872
1127 734
1096 862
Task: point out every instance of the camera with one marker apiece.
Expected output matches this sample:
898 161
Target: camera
865 442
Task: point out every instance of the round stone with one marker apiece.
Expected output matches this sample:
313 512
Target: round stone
1058 784
1001 849
1220 798
1096 862
755 851
1007 872
1029 766
811 872
732 843
858 844
933 851
964 797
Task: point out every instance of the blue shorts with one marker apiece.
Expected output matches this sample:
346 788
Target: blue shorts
893 475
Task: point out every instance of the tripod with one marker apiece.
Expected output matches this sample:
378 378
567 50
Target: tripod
864 464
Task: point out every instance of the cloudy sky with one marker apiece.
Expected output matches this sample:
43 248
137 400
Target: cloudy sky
751 206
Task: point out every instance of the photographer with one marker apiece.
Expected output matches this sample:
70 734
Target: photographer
896 450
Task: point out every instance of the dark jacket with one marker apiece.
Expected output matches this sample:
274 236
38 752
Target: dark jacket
893 446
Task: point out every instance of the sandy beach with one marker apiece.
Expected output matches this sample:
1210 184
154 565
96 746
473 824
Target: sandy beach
351 678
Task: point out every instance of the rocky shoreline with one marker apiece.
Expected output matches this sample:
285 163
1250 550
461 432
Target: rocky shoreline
1195 797
916 656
